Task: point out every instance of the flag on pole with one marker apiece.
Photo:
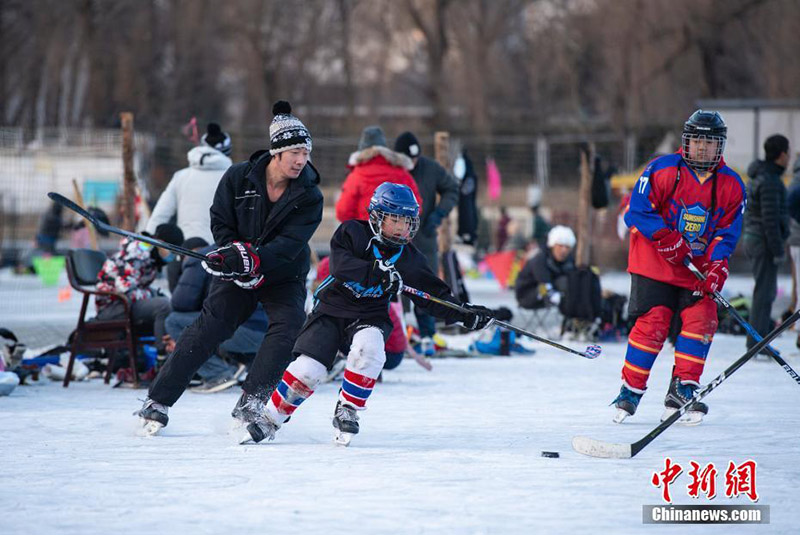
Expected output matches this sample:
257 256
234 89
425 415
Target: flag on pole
493 179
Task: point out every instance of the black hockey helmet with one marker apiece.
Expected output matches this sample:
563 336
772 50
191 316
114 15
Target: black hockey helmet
705 126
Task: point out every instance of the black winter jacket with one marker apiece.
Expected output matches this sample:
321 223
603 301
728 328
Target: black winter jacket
542 268
356 286
239 212
766 216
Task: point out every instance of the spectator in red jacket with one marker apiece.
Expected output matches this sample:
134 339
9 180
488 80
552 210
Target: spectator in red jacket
370 166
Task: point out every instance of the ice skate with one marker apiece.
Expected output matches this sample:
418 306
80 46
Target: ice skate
247 409
345 421
153 417
626 403
261 429
678 394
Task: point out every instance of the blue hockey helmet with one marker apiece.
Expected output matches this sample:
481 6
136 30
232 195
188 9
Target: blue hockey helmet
709 132
395 201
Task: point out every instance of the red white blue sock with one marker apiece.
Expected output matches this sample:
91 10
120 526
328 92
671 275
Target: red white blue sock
298 383
356 389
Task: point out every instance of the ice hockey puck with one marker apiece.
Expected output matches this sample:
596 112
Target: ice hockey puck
551 454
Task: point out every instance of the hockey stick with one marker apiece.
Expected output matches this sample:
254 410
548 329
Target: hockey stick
592 351
747 327
608 450
60 199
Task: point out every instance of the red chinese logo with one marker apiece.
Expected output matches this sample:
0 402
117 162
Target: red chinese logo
666 477
741 480
704 481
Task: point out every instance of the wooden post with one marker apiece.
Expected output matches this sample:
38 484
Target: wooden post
129 181
583 253
441 144
79 202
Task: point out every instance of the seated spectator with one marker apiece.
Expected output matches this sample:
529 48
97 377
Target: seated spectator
543 278
192 287
131 271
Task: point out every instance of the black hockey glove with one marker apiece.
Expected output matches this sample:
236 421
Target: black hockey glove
478 317
391 280
238 259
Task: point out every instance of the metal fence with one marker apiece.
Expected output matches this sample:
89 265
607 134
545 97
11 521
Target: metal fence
32 164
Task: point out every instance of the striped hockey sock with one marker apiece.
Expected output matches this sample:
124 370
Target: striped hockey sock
356 389
288 395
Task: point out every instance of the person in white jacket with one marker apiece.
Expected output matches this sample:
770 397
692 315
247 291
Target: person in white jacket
190 192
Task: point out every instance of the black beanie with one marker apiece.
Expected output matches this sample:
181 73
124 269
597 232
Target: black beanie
169 233
407 144
195 242
286 131
217 139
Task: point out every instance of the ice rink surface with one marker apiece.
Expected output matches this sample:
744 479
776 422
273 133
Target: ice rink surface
455 450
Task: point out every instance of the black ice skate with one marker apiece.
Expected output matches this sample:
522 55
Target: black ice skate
678 394
248 408
153 417
626 403
345 420
261 429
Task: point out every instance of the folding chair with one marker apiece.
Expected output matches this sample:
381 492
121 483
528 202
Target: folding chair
83 266
545 319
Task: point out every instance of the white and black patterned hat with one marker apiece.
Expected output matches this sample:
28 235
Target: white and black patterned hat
286 131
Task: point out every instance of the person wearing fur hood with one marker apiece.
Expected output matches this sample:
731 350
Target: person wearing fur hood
370 166
190 193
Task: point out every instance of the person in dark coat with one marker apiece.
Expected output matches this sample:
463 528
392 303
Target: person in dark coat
464 171
766 229
543 279
50 227
439 191
265 210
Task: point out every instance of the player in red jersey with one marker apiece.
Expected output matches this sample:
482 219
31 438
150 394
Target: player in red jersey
687 204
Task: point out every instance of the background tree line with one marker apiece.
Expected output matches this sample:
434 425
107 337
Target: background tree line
486 67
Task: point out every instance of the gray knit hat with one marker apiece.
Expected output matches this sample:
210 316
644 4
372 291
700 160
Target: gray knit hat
372 136
286 131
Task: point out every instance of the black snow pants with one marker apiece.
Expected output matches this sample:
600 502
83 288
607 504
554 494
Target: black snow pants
226 307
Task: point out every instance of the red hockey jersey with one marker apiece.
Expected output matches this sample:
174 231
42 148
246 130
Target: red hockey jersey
670 195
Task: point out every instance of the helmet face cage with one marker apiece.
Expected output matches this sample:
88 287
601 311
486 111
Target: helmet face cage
377 219
702 151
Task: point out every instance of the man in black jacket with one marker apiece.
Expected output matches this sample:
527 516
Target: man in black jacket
766 228
543 278
265 210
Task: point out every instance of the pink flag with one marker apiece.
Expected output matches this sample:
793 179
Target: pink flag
190 131
493 181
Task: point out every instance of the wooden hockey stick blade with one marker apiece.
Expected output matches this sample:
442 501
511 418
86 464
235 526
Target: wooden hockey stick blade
598 448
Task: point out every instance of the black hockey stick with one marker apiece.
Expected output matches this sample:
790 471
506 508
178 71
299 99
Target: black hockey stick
608 450
747 327
63 201
592 351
